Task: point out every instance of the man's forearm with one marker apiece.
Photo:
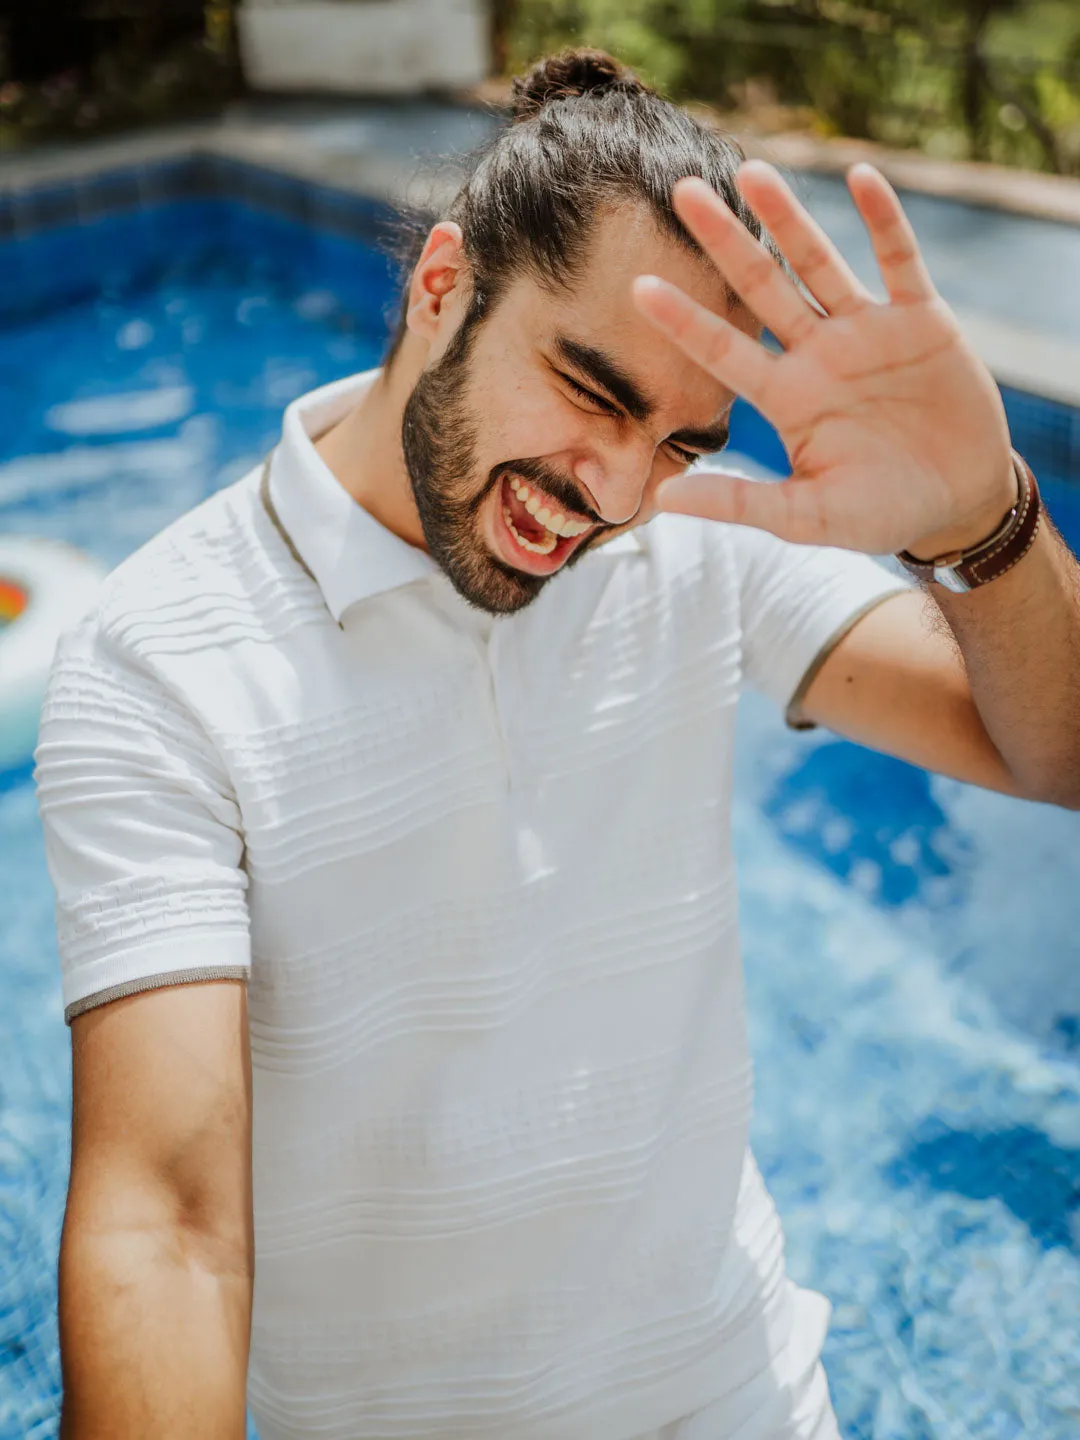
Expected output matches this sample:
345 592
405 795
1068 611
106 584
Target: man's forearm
1020 638
153 1342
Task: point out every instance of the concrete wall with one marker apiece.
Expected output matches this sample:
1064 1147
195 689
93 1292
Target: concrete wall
364 47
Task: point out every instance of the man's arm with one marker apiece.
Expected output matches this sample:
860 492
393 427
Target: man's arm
984 687
157 1252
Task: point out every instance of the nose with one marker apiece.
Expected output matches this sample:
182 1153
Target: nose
616 481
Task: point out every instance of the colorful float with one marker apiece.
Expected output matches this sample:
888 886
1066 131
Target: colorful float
45 587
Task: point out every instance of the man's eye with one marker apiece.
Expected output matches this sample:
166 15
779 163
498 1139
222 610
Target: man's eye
684 457
588 396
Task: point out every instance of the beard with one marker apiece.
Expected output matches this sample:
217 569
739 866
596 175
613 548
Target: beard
439 441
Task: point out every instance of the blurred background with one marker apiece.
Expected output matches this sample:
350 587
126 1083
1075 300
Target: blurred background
992 80
198 203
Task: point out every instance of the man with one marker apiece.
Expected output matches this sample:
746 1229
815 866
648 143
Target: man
386 797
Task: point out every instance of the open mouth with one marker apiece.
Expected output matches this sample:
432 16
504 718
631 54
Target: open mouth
542 534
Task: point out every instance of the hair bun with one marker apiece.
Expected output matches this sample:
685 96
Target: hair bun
572 72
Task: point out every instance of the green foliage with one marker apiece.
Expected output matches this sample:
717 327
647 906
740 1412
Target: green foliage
137 80
994 79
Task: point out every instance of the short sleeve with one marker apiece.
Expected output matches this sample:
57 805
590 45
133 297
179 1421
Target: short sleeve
142 833
796 603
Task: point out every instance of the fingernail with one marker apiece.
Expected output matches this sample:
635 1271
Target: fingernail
649 285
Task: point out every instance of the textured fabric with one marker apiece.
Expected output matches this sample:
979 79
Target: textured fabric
807 1415
480 872
787 1400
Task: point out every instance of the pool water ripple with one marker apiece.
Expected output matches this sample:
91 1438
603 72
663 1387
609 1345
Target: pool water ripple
924 1147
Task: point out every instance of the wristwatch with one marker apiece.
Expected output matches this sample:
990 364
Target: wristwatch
963 570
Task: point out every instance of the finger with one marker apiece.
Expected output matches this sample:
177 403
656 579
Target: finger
808 250
789 509
898 256
742 364
744 262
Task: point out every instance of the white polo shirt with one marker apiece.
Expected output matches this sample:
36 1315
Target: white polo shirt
478 877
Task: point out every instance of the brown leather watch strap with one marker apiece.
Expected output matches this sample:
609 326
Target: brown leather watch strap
968 569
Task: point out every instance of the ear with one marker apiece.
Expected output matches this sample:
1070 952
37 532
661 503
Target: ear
438 287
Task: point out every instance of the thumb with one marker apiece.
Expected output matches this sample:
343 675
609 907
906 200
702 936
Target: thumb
714 495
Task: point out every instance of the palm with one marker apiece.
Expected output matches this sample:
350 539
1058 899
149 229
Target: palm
882 413
894 428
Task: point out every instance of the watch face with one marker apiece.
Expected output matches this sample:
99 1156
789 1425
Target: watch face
950 579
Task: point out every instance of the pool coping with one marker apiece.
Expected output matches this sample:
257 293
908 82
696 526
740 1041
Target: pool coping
968 182
1027 360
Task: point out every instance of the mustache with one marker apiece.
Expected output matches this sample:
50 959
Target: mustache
557 486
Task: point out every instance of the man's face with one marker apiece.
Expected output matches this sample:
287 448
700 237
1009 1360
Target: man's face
544 428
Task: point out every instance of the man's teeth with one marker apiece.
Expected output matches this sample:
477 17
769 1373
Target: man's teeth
538 547
553 520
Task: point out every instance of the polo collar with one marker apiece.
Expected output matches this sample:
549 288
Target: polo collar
349 554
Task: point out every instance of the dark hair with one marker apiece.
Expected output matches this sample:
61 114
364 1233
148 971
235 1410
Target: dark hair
585 134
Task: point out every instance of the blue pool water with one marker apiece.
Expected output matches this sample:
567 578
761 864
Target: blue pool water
910 943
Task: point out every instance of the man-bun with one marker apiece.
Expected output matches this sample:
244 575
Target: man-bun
572 72
587 137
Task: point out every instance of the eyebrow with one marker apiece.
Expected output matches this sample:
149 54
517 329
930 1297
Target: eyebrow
610 376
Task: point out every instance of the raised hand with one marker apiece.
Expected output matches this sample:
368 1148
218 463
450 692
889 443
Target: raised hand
894 427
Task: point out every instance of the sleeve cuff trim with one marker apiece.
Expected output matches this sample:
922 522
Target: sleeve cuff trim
153 982
792 715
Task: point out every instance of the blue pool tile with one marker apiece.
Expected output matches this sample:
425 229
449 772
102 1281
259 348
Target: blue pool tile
1045 432
46 206
353 216
109 191
13 262
263 189
8 226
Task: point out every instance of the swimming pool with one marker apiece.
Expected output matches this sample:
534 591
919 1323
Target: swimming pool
916 1032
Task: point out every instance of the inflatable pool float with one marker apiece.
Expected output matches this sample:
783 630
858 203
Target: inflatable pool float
44 588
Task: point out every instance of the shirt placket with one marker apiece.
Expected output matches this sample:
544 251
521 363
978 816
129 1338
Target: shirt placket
491 651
